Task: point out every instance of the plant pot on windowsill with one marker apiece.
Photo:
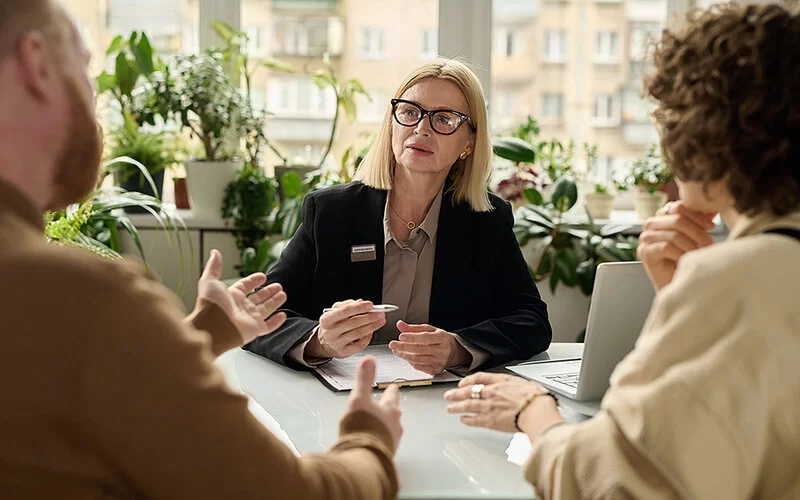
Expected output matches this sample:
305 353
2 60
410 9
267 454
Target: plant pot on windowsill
647 203
137 183
206 181
599 205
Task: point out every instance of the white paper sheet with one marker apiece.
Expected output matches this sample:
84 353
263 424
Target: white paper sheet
341 373
519 449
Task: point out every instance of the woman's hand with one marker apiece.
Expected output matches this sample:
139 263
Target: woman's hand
429 349
500 399
666 237
346 330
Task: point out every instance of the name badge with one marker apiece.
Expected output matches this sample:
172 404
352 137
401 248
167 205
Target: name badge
362 253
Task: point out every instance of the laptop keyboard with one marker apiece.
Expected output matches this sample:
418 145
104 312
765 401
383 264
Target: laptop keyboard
570 379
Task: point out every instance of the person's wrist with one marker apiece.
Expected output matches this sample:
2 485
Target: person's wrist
538 415
459 356
315 348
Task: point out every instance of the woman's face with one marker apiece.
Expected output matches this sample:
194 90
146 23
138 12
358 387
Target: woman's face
419 148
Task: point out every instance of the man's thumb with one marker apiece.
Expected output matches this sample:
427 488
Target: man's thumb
365 378
213 269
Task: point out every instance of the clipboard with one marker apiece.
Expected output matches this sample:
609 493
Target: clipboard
338 375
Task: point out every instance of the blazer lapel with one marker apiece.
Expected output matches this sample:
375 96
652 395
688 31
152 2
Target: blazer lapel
452 260
367 229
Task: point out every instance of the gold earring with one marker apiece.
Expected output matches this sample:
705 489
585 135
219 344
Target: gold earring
464 155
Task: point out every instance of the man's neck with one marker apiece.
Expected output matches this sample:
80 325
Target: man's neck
25 179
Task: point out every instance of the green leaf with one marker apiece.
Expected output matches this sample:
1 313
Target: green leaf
291 185
514 149
116 44
349 105
567 265
534 196
105 82
586 273
223 30
126 74
554 278
324 78
565 194
545 265
276 65
143 52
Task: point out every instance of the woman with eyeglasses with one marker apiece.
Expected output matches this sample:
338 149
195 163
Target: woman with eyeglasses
418 230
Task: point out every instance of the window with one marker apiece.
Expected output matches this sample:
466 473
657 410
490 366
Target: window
373 43
430 43
607 47
605 112
552 107
299 97
554 47
372 111
602 169
256 44
642 35
507 44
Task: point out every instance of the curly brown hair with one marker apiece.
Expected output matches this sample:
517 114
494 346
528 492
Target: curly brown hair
728 92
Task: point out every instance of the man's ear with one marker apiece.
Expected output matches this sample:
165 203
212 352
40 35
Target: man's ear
36 65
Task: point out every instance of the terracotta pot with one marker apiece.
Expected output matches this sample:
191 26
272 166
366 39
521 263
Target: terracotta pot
181 194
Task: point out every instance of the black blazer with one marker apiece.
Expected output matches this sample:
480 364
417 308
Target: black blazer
481 289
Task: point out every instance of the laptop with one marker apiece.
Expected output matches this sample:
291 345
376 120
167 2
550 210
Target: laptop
621 301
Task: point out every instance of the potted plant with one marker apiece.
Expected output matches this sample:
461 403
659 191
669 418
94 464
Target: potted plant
248 204
649 175
208 105
96 222
148 149
565 248
599 202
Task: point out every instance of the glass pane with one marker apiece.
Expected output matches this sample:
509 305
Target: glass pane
576 67
377 43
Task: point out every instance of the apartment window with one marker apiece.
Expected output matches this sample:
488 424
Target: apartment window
605 112
554 46
607 47
507 42
643 34
552 107
373 43
300 97
430 43
374 110
257 43
602 168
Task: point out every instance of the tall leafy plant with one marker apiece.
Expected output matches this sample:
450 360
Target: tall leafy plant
206 103
134 60
149 149
253 122
95 223
570 247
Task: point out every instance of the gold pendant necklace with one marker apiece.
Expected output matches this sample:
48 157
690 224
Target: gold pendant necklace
409 224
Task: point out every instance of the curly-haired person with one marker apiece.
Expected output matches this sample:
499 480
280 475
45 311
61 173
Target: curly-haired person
707 405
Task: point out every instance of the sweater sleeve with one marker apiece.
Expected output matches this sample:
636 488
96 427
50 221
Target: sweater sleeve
161 414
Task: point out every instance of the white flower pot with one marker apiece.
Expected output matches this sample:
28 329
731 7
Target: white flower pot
207 181
647 204
599 205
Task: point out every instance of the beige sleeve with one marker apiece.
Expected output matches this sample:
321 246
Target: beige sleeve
162 417
479 356
663 431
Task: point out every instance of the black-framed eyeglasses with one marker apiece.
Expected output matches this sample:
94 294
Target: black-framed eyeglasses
443 121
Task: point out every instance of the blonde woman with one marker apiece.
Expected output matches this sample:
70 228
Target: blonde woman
417 230
706 405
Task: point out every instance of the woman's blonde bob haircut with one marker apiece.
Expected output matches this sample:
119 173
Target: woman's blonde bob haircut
470 177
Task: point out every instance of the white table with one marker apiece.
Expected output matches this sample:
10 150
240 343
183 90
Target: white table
438 458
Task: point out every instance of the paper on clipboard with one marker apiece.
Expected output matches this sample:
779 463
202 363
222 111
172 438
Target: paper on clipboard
340 374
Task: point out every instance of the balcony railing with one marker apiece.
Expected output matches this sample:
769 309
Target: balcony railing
308 37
